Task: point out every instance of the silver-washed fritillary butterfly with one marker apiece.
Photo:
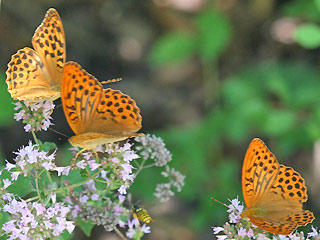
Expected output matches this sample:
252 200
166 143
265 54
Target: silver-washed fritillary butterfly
273 193
96 115
34 75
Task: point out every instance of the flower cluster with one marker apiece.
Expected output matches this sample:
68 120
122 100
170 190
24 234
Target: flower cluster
93 187
34 220
35 116
238 228
153 147
31 157
164 190
135 230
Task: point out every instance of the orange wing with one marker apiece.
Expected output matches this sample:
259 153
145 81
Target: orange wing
273 193
259 171
35 75
90 109
286 224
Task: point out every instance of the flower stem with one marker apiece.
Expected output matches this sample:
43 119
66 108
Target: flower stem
76 184
49 177
119 233
140 167
35 137
149 166
31 199
37 185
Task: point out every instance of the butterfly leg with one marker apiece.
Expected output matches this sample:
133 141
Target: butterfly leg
77 155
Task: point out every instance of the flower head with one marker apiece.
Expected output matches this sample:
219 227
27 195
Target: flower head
35 116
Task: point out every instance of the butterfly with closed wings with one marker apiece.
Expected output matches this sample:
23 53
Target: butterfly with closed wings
273 193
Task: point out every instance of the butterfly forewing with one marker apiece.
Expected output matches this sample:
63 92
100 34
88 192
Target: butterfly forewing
49 41
116 114
289 185
259 171
80 94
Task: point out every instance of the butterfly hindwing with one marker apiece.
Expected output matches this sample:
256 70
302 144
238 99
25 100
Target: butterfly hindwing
284 224
27 77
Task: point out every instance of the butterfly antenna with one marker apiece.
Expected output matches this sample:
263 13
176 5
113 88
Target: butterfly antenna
53 130
58 106
111 80
219 202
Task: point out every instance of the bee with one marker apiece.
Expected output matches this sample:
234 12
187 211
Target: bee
141 214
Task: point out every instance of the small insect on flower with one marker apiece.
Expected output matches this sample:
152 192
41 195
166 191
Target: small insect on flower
141 214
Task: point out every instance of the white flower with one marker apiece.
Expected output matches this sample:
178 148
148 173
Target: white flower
216 230
6 182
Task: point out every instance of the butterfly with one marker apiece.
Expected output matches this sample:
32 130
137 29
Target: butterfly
96 115
273 193
34 75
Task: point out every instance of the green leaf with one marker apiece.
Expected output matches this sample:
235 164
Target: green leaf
74 177
86 227
308 35
47 146
100 185
21 187
66 235
172 48
6 110
214 34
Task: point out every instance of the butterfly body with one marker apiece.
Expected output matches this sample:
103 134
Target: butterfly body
34 75
96 115
90 140
273 193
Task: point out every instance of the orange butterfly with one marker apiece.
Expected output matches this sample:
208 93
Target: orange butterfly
273 193
96 115
35 75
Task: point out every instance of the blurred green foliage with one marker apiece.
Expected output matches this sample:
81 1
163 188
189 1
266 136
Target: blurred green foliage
272 99
306 34
6 110
209 38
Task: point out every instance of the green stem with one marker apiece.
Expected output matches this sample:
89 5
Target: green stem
140 167
31 199
76 184
49 177
149 166
136 163
37 185
35 137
